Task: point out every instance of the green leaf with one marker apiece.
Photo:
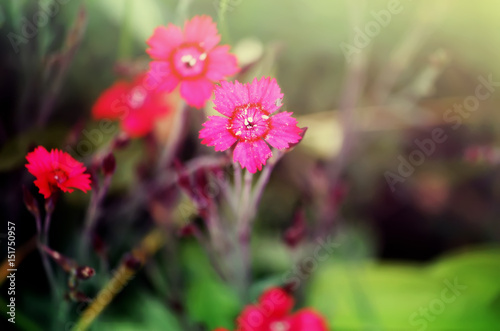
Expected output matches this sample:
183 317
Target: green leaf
456 293
208 300
144 312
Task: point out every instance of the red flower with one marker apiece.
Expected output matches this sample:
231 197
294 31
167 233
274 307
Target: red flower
55 171
191 58
136 104
250 121
272 313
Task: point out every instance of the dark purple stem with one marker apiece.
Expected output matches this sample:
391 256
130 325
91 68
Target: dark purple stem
43 240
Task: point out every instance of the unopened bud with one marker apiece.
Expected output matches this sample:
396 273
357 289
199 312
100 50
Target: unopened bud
30 202
121 141
187 230
132 263
50 203
84 272
109 164
296 232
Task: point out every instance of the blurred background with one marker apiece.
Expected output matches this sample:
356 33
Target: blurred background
399 164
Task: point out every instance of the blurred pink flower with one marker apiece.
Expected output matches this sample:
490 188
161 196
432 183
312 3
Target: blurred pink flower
191 58
134 103
249 122
272 313
56 171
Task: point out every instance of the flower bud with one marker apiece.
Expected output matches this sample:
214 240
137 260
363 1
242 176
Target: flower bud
30 202
84 272
296 232
122 140
109 164
132 262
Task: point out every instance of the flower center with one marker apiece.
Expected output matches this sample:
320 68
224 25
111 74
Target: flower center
249 122
279 326
189 61
58 177
137 97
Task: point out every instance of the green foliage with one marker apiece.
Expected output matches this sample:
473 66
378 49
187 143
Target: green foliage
144 312
209 300
370 295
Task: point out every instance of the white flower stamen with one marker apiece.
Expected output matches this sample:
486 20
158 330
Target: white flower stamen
188 59
280 326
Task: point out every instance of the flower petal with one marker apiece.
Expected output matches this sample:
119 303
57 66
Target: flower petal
160 77
137 124
266 92
307 319
253 318
110 103
81 182
252 155
201 30
276 302
284 131
38 161
216 133
196 92
163 41
43 187
230 95
221 64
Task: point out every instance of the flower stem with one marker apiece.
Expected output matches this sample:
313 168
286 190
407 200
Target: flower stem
237 179
148 246
264 178
43 240
175 137
210 253
245 228
93 213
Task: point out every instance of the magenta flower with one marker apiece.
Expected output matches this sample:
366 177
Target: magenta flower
56 171
191 58
273 313
249 122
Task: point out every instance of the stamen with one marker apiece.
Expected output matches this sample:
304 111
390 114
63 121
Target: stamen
238 133
137 97
203 56
265 117
186 58
280 326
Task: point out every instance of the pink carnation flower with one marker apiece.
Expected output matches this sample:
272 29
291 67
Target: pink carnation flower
249 122
191 58
56 170
273 313
134 103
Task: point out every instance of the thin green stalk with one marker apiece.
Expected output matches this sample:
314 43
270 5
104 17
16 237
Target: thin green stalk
244 231
125 43
223 7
